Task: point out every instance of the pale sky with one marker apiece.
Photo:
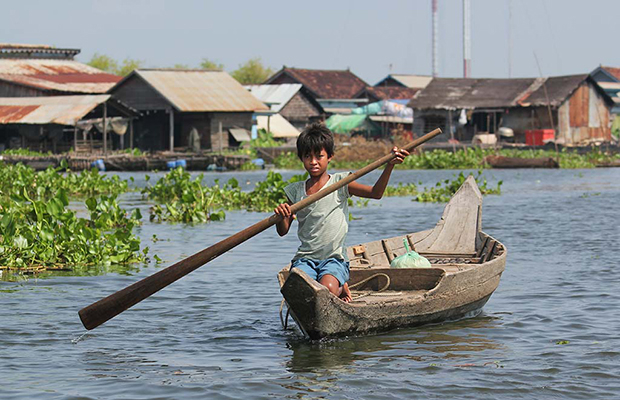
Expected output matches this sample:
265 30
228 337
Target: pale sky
372 38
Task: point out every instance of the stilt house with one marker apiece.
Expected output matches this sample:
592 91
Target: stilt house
573 108
334 90
37 70
175 102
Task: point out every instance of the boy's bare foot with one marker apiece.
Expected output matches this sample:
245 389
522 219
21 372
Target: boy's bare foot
346 293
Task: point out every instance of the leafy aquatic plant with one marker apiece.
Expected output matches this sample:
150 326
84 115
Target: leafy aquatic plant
46 233
443 191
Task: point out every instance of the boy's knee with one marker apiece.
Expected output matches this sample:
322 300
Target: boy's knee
331 283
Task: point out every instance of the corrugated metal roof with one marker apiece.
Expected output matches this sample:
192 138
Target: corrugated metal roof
62 110
201 90
609 85
412 81
275 96
558 88
240 134
459 93
278 125
60 75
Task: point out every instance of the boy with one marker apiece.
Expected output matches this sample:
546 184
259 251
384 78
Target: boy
323 225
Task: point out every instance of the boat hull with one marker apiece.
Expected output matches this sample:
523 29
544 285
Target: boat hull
452 292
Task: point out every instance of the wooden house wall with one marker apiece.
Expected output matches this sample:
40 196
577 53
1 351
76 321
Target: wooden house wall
228 120
585 116
185 122
140 95
425 121
527 118
151 131
299 111
8 89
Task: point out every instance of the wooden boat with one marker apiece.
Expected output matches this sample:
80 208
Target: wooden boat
466 266
516 162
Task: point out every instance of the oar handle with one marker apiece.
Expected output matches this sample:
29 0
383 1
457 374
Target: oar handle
99 312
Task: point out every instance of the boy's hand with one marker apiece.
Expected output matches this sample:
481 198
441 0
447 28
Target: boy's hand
284 210
400 155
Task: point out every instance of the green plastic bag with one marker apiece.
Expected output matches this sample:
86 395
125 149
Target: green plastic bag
410 259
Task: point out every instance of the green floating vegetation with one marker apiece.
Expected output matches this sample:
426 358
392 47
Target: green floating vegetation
45 233
25 152
38 231
443 191
44 184
182 199
469 158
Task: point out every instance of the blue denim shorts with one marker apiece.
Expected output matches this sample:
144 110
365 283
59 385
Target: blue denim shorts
317 269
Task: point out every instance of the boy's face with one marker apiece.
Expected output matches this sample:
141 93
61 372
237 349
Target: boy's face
316 164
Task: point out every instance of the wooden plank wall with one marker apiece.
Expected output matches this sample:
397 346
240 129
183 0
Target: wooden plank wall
579 106
139 95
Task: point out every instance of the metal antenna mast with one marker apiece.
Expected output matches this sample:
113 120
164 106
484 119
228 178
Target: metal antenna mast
466 39
435 40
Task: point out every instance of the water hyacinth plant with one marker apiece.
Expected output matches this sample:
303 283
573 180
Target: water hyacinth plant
443 191
45 233
182 199
468 158
38 230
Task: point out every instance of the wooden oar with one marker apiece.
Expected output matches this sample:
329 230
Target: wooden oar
109 307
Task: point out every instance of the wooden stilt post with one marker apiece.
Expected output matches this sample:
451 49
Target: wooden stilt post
221 138
105 129
131 133
171 130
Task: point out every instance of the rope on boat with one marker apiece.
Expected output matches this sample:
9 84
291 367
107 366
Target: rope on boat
362 261
284 320
360 283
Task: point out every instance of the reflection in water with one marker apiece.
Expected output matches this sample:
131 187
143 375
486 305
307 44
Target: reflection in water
318 364
447 340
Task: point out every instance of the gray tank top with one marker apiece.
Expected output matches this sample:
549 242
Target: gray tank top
323 225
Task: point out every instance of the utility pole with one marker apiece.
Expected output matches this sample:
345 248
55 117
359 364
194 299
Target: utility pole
435 39
466 39
510 38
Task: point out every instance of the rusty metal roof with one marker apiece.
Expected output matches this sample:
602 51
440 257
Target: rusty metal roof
200 90
469 93
66 76
62 110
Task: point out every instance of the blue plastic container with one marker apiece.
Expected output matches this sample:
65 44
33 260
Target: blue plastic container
99 164
181 163
171 164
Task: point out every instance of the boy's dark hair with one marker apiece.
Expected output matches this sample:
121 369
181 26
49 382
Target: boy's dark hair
315 138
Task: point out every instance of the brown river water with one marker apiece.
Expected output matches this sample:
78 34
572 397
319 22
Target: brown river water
551 330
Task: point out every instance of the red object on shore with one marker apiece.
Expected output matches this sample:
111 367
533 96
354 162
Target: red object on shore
538 137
